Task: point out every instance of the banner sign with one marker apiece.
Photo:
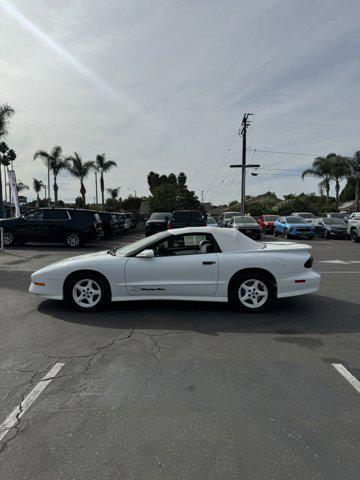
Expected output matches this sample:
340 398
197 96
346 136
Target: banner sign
14 192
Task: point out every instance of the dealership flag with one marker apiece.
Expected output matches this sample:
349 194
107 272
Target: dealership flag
14 192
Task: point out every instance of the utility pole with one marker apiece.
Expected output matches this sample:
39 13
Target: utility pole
202 196
96 190
242 132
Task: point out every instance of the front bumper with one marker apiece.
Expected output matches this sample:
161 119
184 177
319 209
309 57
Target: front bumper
52 289
294 232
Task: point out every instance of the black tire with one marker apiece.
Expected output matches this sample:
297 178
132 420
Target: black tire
275 233
73 240
9 238
326 235
286 233
354 236
310 237
236 290
85 277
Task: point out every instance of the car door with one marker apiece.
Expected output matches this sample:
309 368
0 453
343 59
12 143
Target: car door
54 224
280 224
178 269
30 226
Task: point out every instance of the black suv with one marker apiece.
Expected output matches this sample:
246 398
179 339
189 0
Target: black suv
73 226
157 222
186 218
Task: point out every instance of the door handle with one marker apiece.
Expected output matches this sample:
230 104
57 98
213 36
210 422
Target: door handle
208 263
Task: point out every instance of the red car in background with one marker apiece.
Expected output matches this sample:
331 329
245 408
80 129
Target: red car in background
266 222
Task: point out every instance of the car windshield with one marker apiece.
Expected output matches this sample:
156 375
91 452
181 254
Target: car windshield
139 245
211 220
244 220
229 214
295 220
270 218
160 216
306 215
334 221
186 216
336 215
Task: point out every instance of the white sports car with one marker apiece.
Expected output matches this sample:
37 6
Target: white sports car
198 263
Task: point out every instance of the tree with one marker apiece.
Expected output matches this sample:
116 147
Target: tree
102 166
21 187
37 186
339 169
113 192
80 170
55 162
164 198
153 181
321 168
171 193
6 112
353 175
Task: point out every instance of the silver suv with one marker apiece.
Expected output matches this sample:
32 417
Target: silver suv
353 227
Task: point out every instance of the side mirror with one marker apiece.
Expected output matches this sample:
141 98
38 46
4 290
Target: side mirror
146 254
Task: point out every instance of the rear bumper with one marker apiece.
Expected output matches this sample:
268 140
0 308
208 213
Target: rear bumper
298 284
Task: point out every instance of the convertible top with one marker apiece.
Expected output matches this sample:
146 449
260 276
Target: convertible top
229 239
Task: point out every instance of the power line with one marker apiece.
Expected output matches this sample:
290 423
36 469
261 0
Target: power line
284 153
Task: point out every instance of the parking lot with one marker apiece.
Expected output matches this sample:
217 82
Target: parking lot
170 390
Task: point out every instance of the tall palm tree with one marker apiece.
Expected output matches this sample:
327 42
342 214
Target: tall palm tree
339 169
113 192
6 112
37 186
321 168
80 170
103 166
55 162
353 174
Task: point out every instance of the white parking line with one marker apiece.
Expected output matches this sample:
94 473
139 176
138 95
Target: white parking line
19 411
347 375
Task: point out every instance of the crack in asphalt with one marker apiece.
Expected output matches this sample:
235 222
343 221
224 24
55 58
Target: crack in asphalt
155 351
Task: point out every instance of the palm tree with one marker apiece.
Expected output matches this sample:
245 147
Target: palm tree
339 169
80 170
321 168
113 192
37 186
55 162
103 166
21 187
5 113
353 175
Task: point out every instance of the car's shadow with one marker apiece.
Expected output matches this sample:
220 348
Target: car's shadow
297 315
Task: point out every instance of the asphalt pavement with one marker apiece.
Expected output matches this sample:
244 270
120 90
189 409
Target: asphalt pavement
180 391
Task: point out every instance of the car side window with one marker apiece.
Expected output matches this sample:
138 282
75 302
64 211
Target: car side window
35 215
186 244
56 215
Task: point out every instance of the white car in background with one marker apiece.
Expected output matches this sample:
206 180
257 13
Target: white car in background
197 263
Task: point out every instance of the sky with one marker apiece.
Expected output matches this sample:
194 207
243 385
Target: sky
163 85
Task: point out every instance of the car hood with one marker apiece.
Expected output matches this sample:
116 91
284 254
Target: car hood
246 225
96 261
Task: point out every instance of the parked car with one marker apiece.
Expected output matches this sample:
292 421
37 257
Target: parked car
266 222
226 217
342 216
330 228
353 227
110 224
157 222
246 225
75 227
186 218
293 227
131 220
197 263
120 217
308 216
211 222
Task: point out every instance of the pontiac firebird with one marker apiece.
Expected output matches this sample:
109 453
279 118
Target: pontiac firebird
198 264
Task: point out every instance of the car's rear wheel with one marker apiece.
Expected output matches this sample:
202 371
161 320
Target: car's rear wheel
252 292
354 236
87 292
73 240
9 238
286 233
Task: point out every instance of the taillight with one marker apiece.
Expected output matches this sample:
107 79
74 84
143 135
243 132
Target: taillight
309 262
169 226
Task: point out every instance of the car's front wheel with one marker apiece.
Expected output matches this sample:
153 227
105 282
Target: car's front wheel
73 240
354 236
252 292
87 291
275 232
286 233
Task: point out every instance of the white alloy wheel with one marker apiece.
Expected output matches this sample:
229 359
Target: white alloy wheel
86 293
73 240
8 238
253 293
